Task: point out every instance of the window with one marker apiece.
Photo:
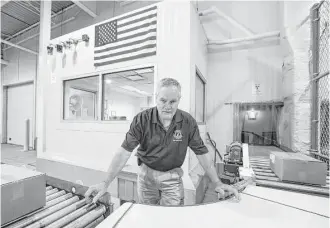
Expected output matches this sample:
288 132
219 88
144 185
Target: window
127 93
199 98
80 98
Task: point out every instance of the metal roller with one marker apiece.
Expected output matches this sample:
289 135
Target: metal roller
55 195
87 218
29 220
58 200
71 217
52 191
95 222
49 188
57 215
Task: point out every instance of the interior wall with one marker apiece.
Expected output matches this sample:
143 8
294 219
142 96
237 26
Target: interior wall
22 65
262 123
84 143
234 70
232 78
124 105
198 61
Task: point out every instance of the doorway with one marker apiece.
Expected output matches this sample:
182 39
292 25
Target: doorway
19 109
257 123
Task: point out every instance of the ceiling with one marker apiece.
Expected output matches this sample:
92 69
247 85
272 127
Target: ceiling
257 17
19 15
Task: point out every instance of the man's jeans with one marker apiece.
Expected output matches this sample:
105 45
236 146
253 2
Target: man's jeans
160 188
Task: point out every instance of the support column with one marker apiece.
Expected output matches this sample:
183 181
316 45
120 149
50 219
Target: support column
295 124
43 74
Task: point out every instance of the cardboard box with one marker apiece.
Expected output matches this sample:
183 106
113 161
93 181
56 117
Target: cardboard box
298 167
22 191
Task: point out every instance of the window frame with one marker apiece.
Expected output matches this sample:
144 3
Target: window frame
102 95
63 97
100 74
199 75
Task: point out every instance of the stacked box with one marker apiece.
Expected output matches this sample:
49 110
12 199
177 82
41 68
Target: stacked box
22 191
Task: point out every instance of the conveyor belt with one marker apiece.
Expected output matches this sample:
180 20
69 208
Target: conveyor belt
211 195
267 178
62 209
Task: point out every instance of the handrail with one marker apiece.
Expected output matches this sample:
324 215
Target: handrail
260 136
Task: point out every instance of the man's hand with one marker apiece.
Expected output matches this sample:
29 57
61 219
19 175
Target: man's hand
221 188
97 191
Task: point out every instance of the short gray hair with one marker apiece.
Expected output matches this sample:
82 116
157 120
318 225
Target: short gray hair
167 82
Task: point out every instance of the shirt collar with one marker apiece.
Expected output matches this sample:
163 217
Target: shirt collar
155 119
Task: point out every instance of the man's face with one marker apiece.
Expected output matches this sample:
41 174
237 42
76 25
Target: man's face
168 99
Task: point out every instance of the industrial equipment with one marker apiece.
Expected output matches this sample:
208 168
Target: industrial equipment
228 167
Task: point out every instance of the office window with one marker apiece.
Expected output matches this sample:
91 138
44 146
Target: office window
199 98
127 93
80 98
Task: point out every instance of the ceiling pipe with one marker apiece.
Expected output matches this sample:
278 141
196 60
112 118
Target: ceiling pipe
251 38
36 24
19 47
215 10
37 34
84 8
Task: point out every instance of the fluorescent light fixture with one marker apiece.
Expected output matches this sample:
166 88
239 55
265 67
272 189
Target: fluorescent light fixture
130 88
133 89
135 77
143 71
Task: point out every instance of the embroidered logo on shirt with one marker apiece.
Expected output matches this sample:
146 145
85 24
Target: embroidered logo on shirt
177 136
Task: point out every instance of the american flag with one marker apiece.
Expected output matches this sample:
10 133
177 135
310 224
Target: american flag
126 38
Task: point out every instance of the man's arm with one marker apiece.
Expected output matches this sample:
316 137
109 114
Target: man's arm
117 164
207 165
197 145
119 159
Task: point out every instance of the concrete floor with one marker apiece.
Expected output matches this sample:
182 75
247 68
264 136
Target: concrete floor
14 155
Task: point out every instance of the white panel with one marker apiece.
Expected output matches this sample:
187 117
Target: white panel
251 211
27 66
20 108
11 70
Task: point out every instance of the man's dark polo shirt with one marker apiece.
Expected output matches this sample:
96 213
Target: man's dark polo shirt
160 149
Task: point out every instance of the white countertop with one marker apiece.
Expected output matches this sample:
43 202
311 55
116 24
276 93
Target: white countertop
251 211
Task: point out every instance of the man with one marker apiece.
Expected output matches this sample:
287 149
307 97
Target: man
163 133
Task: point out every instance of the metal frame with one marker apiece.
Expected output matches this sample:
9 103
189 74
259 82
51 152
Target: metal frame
315 70
84 8
19 47
100 74
250 36
315 148
203 80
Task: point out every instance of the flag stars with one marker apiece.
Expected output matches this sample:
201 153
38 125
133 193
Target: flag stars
107 33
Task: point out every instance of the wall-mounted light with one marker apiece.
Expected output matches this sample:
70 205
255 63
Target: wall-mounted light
85 38
59 48
69 43
252 114
50 49
75 42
